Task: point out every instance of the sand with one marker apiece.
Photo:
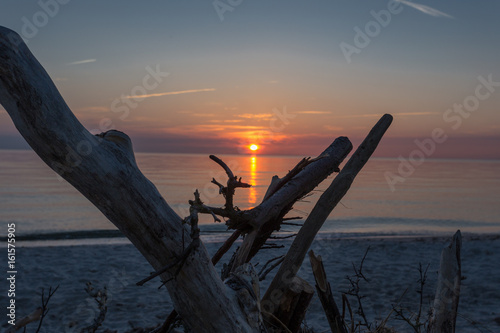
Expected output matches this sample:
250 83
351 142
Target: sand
391 267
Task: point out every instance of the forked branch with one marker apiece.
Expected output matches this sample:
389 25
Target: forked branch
232 183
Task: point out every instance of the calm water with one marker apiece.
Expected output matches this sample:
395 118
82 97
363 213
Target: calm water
441 196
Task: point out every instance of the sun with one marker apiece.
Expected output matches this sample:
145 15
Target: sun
253 147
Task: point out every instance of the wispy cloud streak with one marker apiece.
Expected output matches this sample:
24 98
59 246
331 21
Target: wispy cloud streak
425 9
313 112
79 62
171 93
400 114
260 116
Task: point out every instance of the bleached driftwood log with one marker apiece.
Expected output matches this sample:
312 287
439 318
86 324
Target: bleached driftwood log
103 169
444 312
326 203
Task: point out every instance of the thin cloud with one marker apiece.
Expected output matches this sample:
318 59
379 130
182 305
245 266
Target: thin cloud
425 9
333 128
313 112
203 115
171 93
415 113
79 62
226 121
373 115
260 116
210 128
94 109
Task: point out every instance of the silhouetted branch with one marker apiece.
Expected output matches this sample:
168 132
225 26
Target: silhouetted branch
325 295
101 297
34 316
192 219
263 272
355 288
225 247
326 203
45 303
232 183
283 237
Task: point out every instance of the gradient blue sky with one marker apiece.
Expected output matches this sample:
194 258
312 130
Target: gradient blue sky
230 80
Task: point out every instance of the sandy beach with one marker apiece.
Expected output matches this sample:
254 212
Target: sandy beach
391 267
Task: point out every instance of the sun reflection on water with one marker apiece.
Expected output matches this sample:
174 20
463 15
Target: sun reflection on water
252 197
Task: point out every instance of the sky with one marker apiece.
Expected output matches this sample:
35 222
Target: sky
289 76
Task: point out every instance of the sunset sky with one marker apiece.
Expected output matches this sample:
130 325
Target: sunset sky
289 76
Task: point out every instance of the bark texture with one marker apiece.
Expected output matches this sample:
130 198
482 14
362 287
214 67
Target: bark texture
104 170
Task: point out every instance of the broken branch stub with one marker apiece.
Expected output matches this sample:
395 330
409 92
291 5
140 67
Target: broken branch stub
445 309
325 295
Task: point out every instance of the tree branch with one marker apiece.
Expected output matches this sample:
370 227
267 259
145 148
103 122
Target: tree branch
326 203
267 217
232 183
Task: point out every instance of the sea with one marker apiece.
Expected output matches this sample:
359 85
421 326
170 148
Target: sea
436 198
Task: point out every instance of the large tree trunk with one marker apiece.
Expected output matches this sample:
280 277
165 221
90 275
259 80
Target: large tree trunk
103 169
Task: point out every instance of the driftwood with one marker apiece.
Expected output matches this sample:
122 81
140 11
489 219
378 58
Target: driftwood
103 169
260 222
444 312
325 295
294 303
328 200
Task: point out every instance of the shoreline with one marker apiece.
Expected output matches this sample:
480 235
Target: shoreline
391 267
209 239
